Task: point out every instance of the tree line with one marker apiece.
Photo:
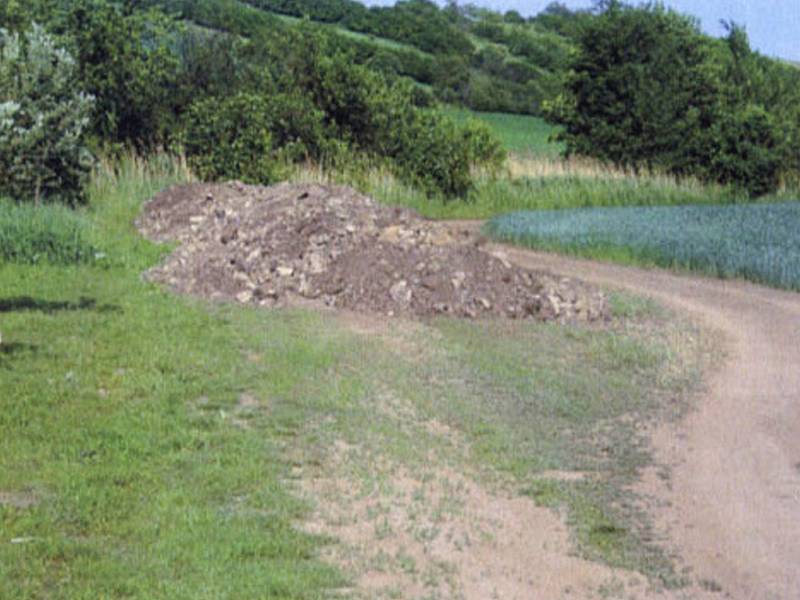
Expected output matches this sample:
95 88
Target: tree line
246 94
131 75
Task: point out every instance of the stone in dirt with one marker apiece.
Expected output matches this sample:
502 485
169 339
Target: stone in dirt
336 247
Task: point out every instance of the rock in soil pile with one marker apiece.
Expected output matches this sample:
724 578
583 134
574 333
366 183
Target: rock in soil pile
275 245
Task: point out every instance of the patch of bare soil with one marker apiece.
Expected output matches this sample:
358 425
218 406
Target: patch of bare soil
443 531
19 500
335 247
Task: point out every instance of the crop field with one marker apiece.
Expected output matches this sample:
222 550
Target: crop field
520 134
758 242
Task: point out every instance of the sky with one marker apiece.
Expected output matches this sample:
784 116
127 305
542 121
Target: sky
773 25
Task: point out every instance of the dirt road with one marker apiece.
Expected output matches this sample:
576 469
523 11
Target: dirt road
733 510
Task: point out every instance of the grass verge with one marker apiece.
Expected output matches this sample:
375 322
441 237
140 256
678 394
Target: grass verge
128 463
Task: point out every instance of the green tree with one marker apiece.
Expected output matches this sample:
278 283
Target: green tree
125 60
43 120
637 89
648 90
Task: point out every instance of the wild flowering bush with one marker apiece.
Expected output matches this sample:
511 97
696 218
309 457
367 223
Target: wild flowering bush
43 120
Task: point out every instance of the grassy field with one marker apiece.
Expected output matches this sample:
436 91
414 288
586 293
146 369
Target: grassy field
122 474
148 443
758 242
520 134
356 35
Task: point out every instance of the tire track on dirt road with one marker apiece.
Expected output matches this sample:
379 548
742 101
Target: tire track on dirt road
733 510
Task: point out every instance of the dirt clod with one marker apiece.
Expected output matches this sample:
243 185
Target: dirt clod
336 247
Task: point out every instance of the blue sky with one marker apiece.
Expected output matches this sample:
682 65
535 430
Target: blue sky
773 25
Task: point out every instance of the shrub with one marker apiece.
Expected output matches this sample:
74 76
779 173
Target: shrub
484 148
42 120
230 138
746 152
127 61
321 106
430 156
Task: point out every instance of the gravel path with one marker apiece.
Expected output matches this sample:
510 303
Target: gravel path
733 509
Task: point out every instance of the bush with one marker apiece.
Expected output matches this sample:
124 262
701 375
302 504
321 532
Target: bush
231 139
127 61
43 120
431 157
746 153
437 155
321 106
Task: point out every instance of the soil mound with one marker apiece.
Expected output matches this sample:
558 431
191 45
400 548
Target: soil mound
332 245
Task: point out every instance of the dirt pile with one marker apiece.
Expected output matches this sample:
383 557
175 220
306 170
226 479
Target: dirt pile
273 245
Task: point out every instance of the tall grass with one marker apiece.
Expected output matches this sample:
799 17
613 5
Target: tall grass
529 184
115 198
132 175
46 234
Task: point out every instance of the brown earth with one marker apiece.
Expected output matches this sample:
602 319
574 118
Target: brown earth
332 246
443 532
732 507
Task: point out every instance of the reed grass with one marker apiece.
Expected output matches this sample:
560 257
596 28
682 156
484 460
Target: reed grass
526 183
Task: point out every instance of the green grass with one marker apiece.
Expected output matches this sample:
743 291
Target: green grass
134 470
500 195
117 407
48 234
520 134
758 242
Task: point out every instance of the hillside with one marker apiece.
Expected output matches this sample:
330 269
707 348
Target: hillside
257 89
472 57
